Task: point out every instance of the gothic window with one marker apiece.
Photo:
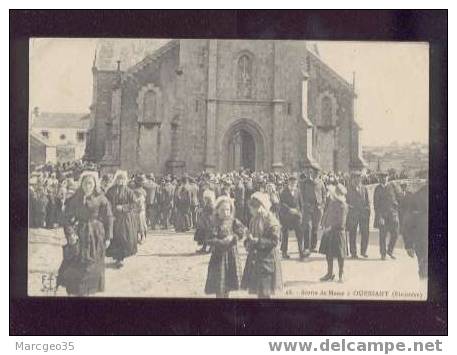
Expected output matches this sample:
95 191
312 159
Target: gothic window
326 111
244 77
149 101
149 106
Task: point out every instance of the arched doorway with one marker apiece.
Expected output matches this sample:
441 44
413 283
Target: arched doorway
241 151
243 146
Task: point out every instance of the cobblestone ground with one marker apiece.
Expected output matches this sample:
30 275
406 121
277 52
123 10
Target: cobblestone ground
166 265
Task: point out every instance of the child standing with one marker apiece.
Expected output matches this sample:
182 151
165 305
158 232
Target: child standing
223 269
333 243
203 230
262 273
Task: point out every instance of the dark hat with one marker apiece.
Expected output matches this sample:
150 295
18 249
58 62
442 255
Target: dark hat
293 177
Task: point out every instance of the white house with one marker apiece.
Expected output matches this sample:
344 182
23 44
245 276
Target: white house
67 132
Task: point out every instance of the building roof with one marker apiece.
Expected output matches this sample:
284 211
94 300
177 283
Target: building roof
62 120
129 51
35 138
154 55
315 56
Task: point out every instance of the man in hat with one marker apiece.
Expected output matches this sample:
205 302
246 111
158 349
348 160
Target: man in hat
184 202
386 214
313 194
248 191
358 215
193 187
239 195
151 189
290 214
165 201
403 201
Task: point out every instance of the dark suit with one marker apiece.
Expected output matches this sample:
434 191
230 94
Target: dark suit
358 216
239 192
313 194
166 200
386 216
290 217
152 211
416 228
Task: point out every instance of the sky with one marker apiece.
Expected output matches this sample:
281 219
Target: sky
391 82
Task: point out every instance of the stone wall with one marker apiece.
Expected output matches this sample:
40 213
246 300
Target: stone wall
324 82
192 86
147 147
103 85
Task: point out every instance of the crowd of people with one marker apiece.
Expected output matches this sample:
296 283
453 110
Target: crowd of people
109 215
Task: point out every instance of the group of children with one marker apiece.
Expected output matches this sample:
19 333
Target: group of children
221 231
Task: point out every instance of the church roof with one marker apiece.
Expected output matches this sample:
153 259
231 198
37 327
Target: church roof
61 120
129 51
332 71
154 55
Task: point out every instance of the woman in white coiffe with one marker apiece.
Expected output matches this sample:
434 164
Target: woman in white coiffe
125 227
88 222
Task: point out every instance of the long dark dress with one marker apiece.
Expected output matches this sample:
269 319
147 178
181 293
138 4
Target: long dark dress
82 271
125 238
262 273
224 272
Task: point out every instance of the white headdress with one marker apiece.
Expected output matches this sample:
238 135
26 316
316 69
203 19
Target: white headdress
120 173
263 198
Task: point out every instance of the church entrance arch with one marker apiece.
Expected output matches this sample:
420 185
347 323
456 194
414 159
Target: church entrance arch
243 146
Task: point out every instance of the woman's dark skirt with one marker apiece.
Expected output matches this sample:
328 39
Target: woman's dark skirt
125 239
259 281
334 244
82 271
223 272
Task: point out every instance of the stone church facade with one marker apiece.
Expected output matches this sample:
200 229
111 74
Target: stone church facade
217 105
